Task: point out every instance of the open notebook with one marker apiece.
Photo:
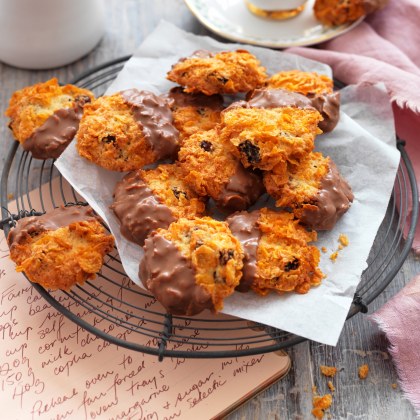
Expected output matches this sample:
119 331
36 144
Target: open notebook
51 368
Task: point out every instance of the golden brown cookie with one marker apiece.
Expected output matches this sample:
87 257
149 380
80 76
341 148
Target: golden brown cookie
45 117
147 200
317 87
224 72
191 266
61 248
315 191
127 130
277 254
268 138
194 112
212 169
306 83
339 12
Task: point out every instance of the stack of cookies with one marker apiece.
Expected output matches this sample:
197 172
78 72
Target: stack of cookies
205 151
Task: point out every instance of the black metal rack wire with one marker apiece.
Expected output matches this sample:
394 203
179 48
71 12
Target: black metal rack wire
115 309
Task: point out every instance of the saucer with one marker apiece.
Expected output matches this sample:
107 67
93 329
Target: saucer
231 19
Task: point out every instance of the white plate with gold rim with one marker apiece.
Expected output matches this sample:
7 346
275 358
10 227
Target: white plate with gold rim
231 19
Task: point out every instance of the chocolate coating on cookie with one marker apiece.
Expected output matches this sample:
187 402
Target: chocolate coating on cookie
331 202
244 226
328 105
29 227
171 278
241 191
138 210
154 116
51 139
276 98
180 99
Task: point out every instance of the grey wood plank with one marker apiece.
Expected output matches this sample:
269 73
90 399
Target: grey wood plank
128 23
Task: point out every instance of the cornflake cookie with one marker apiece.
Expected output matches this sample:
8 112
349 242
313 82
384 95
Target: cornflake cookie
44 118
315 191
194 112
191 266
339 12
127 130
224 72
212 169
306 83
277 254
268 133
317 87
61 248
147 200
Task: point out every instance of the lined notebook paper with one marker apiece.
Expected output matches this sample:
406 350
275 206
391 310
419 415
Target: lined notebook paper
50 368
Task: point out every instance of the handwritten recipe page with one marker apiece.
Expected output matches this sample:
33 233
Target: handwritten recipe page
51 368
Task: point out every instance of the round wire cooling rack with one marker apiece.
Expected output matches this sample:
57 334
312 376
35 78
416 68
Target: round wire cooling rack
115 309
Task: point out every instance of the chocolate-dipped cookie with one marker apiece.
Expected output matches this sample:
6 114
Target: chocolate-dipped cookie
272 128
212 169
61 248
127 130
317 87
315 191
191 266
277 254
194 112
146 200
45 117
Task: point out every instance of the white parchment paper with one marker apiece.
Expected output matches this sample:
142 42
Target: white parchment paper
362 145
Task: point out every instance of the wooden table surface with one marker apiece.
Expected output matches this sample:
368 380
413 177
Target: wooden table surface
128 23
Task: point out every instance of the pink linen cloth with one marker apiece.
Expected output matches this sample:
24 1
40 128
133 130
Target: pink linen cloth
383 48
399 320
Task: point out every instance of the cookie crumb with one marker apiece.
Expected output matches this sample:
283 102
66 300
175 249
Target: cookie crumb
331 386
340 247
343 239
324 249
321 404
394 386
10 196
363 371
329 371
314 390
334 256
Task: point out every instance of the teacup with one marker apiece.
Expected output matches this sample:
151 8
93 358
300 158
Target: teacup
276 9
